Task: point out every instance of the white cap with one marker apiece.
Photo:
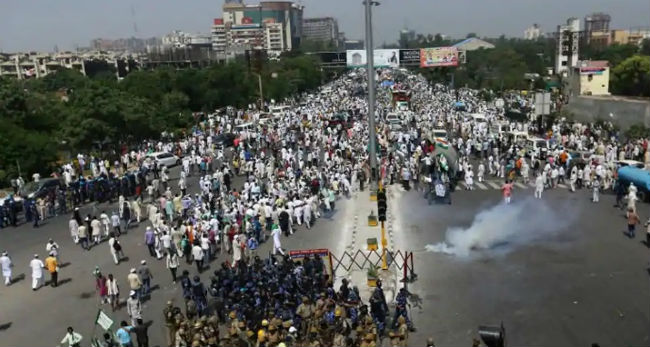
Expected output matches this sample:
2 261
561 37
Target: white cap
292 330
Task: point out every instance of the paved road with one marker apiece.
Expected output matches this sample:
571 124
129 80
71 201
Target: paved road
584 284
39 318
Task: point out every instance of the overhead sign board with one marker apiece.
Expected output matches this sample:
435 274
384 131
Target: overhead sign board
381 58
409 56
438 56
333 57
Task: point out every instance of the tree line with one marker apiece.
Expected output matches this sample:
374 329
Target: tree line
49 119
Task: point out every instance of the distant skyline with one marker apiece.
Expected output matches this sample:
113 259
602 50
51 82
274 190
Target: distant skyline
40 25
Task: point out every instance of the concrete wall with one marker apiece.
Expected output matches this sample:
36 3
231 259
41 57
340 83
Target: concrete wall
624 112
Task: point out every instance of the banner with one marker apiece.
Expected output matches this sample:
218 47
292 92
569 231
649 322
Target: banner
103 320
381 58
409 56
332 57
438 56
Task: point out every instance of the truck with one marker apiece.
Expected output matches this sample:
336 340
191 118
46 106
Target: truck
640 178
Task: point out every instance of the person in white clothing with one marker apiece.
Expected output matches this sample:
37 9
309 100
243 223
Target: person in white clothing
106 222
74 229
37 272
72 338
539 186
275 233
115 248
6 264
469 178
595 186
481 172
53 248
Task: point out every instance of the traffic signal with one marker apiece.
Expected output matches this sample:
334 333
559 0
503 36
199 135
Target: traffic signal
381 205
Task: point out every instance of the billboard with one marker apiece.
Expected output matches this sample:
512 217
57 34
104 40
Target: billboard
409 56
381 58
438 56
332 57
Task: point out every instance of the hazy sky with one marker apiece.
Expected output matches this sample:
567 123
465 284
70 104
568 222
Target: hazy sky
41 24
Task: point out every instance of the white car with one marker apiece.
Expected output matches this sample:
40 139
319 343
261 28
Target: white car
165 158
393 118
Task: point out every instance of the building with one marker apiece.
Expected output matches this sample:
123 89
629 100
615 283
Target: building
219 33
633 36
597 22
35 65
472 44
636 36
130 45
619 37
566 53
533 32
325 29
599 39
406 36
589 78
275 26
597 30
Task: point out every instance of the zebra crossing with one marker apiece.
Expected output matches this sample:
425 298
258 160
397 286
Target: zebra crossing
496 185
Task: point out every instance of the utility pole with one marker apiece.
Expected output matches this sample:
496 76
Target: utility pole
374 173
259 79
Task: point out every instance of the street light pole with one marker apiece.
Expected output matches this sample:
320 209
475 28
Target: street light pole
371 93
259 80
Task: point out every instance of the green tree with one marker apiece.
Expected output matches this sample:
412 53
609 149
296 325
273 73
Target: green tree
632 76
645 47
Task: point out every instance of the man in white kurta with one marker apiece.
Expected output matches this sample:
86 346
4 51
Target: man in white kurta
37 272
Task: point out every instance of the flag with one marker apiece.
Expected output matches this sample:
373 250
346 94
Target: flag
440 143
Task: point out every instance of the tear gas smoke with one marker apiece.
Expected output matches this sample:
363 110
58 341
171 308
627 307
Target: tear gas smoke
511 225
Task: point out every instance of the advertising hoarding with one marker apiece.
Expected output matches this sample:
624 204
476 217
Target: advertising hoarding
409 56
381 58
332 57
438 56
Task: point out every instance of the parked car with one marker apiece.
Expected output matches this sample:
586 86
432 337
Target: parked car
165 158
224 140
35 190
393 118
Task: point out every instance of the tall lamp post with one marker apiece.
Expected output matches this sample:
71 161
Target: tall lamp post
376 186
374 172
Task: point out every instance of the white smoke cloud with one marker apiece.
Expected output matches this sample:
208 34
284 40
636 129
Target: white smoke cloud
503 227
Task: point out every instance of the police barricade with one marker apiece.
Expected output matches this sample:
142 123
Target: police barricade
362 260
